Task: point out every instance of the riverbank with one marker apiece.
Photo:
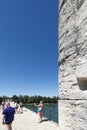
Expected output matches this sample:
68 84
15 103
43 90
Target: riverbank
28 120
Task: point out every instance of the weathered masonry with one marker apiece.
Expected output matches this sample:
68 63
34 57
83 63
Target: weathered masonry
72 74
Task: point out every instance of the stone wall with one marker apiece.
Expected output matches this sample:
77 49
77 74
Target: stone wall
72 64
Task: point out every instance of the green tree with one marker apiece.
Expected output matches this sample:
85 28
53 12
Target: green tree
26 99
1 99
15 98
21 98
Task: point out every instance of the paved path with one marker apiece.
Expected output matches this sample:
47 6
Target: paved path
28 121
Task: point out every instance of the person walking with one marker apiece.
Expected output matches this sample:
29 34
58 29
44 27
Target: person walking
3 105
21 107
16 106
40 110
8 116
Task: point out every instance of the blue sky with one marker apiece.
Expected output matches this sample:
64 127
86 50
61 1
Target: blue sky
28 47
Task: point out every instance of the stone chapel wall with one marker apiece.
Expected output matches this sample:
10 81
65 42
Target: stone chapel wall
72 73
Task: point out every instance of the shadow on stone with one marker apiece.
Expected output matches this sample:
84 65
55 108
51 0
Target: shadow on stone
82 83
44 120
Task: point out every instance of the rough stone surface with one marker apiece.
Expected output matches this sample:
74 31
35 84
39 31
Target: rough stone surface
72 115
72 64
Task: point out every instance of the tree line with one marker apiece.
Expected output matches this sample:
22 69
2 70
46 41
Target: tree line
30 99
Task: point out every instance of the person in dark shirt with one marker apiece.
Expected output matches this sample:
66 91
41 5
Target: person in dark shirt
8 116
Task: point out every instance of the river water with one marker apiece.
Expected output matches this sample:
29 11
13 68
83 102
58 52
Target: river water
50 111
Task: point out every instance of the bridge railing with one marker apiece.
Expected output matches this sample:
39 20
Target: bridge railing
49 114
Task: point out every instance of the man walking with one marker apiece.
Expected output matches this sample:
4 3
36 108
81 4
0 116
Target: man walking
8 116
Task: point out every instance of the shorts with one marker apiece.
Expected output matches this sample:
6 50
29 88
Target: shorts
7 123
40 113
16 107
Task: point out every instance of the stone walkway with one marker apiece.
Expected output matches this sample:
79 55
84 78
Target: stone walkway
28 121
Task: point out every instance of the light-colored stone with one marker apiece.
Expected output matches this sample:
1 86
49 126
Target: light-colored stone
28 120
72 114
72 60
